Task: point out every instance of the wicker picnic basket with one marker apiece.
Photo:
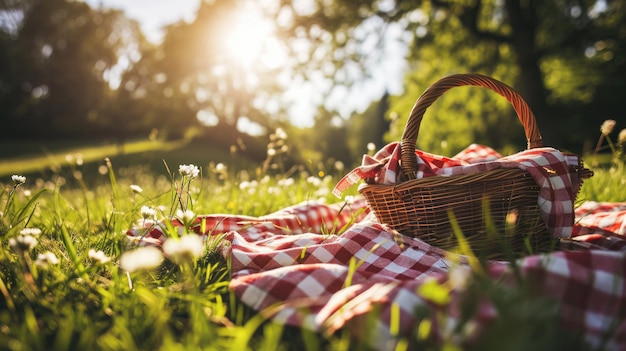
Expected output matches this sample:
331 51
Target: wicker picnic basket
421 207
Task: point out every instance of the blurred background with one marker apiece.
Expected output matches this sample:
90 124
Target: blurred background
214 80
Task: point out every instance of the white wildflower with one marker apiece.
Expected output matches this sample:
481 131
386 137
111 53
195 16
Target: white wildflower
280 133
321 192
607 126
146 223
46 259
186 216
185 249
18 179
286 182
141 259
79 159
136 189
23 242
98 256
339 166
220 167
315 181
271 152
249 186
621 138
371 147
148 212
31 231
190 170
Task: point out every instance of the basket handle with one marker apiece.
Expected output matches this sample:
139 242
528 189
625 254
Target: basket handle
409 136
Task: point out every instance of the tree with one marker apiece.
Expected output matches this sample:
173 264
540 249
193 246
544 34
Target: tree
193 78
367 127
57 67
330 137
530 44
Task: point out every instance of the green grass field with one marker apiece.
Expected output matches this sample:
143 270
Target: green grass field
50 157
77 298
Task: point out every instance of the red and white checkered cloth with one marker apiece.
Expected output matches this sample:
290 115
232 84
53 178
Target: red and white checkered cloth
287 267
549 167
309 217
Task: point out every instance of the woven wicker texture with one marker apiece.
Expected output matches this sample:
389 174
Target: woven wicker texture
422 207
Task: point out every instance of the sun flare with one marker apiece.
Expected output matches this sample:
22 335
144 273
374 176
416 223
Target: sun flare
249 37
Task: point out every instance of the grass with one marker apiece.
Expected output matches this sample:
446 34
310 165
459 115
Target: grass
607 184
83 302
46 159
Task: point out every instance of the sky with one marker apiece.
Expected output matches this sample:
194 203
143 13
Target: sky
153 15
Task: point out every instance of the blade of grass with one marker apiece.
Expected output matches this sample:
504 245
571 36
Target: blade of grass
464 246
65 235
113 180
21 215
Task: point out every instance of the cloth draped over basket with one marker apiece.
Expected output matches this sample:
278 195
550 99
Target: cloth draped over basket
548 167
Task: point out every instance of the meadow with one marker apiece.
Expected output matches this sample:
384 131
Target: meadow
65 283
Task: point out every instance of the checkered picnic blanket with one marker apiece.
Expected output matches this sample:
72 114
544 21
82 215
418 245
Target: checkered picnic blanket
288 267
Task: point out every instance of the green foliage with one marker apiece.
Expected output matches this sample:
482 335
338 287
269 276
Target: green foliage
462 116
367 127
602 186
609 179
53 79
558 55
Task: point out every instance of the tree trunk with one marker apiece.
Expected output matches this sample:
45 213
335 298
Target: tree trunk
531 86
